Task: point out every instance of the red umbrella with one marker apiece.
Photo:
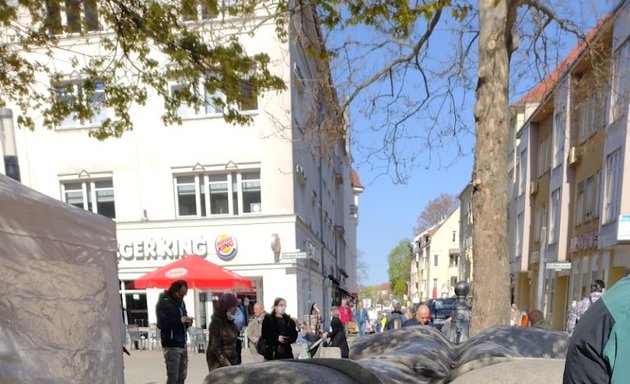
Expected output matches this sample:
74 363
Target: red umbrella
197 272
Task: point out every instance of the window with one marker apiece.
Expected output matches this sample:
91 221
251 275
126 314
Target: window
453 260
541 221
544 155
558 146
95 195
520 223
204 195
69 92
588 201
213 102
613 169
579 206
522 172
598 194
71 15
195 10
454 235
555 216
621 81
435 260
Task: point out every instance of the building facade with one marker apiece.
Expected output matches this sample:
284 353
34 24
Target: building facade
275 201
567 211
435 265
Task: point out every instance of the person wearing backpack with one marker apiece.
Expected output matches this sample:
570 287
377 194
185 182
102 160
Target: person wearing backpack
597 290
395 319
254 333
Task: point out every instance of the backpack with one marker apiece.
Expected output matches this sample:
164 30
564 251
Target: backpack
260 346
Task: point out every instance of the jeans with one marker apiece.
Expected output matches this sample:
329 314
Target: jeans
176 360
361 326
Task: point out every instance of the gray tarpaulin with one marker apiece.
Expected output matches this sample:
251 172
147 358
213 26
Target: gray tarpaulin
60 312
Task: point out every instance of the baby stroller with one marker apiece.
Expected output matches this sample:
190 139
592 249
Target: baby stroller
312 346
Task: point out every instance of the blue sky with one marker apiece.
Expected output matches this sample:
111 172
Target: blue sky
388 211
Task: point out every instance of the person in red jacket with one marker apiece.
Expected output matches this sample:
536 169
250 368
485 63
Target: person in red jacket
345 315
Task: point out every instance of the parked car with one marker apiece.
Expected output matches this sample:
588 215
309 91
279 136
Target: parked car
441 309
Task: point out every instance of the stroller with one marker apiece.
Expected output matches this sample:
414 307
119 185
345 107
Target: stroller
312 346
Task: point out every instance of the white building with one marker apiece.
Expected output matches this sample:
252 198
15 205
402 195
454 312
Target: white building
435 267
245 197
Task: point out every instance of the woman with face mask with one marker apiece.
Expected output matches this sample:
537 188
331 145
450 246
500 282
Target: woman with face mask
279 332
223 348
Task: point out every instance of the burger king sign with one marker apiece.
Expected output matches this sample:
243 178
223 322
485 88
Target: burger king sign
226 247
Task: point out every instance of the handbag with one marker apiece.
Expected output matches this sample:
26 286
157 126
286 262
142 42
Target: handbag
260 346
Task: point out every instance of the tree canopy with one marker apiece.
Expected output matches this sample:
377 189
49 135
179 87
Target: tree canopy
131 48
435 211
399 261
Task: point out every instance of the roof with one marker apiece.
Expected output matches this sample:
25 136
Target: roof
356 182
538 93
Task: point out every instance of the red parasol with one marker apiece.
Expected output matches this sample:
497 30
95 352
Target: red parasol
197 272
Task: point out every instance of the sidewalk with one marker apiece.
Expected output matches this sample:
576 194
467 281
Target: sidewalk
147 367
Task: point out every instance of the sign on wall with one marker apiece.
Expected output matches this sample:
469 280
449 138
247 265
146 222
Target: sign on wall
623 228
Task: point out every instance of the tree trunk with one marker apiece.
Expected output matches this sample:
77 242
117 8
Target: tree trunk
491 291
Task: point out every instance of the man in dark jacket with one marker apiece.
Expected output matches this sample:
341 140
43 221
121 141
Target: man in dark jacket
599 349
395 319
173 320
422 316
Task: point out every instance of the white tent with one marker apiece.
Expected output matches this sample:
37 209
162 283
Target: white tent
60 311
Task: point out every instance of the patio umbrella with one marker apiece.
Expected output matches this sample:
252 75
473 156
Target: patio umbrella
197 272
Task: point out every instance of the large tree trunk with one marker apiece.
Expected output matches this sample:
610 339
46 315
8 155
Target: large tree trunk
491 293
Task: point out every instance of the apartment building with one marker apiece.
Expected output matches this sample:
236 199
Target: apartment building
435 264
273 201
566 206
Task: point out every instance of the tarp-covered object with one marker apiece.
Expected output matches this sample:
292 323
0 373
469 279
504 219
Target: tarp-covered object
60 313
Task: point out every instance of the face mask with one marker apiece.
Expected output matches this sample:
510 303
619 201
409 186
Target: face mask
280 309
230 316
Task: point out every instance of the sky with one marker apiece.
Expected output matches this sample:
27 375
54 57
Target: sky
388 211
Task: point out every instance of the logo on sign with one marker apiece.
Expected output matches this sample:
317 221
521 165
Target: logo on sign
225 246
176 272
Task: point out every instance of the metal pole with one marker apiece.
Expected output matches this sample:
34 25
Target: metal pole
541 269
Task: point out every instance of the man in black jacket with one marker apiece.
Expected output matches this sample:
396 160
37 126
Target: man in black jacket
173 320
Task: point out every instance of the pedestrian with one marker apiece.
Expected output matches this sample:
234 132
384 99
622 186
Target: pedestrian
409 314
345 314
318 317
597 290
599 350
279 332
421 317
515 315
254 332
173 320
395 319
361 318
337 334
223 347
537 320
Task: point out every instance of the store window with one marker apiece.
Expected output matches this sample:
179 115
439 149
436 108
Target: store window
94 195
232 193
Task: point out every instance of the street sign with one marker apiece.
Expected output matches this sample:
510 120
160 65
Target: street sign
293 255
558 266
